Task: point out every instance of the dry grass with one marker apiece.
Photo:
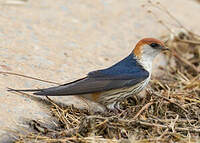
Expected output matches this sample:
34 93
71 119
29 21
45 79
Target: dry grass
169 113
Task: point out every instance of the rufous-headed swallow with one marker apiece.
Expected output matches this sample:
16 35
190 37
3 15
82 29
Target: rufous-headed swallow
108 86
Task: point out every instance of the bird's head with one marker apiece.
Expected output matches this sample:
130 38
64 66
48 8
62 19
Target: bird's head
146 50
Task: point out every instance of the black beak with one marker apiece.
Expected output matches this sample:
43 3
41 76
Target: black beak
165 48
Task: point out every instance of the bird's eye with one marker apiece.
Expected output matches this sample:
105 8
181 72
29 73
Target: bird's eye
154 45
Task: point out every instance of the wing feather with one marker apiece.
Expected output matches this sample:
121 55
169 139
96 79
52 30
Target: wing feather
125 73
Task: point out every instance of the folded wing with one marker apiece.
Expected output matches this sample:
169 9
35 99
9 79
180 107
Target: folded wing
124 74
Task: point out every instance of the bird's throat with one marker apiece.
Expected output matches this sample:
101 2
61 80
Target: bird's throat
146 64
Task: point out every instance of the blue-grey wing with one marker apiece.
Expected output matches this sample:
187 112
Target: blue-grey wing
124 74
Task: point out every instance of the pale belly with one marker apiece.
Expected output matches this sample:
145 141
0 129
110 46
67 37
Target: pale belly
109 98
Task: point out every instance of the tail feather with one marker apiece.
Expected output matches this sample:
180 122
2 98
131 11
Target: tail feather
24 90
52 91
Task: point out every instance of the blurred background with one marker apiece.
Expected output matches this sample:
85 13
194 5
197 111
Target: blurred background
63 40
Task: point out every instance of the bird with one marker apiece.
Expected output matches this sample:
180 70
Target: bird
111 85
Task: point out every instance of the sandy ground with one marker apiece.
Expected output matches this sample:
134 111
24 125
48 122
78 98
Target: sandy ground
63 40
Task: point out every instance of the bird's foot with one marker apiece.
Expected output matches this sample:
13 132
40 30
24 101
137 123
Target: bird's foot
114 107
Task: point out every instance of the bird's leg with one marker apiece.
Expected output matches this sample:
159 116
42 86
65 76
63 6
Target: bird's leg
117 106
114 107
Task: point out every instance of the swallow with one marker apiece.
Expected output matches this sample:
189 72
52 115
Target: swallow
109 86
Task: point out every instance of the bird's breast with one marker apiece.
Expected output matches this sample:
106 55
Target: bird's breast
108 97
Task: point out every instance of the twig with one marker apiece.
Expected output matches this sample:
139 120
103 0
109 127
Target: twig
148 124
141 110
61 116
173 123
189 41
163 134
54 104
185 62
11 73
168 127
169 120
170 101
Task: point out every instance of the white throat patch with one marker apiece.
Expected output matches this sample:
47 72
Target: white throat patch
147 57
